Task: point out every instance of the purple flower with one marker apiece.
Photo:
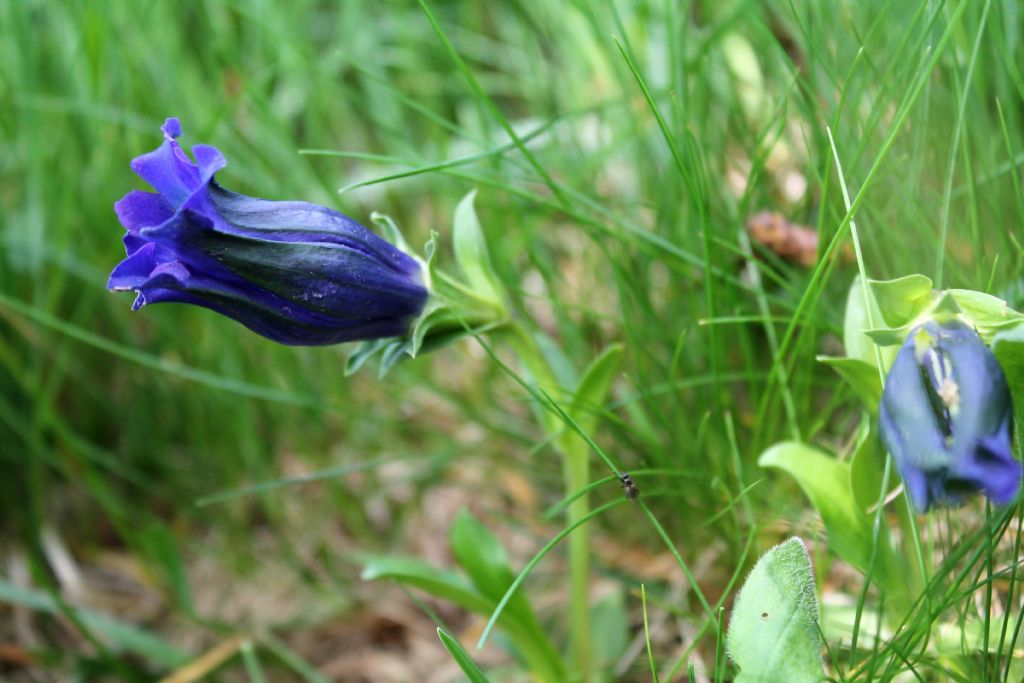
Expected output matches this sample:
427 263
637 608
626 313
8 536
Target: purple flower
945 418
294 272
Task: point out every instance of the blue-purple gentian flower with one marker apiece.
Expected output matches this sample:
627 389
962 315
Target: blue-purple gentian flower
945 417
294 272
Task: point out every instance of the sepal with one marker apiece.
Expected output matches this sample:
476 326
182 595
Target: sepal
457 307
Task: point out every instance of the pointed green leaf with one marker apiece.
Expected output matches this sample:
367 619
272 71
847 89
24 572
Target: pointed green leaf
856 321
481 555
524 631
391 231
593 389
120 636
902 299
861 376
364 352
609 629
1008 347
866 468
471 252
774 635
856 324
461 657
988 314
889 337
826 482
437 582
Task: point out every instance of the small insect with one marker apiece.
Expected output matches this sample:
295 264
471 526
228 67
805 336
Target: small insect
629 486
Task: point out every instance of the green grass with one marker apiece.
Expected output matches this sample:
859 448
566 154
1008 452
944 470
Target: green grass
617 149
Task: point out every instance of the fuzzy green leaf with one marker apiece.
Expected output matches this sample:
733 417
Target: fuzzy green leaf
774 635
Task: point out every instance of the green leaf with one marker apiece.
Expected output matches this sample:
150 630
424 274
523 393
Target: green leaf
826 482
944 308
120 636
609 629
364 352
557 360
291 659
1008 347
438 582
856 321
774 635
903 299
471 252
162 546
860 375
481 555
391 231
523 629
251 660
461 657
483 558
866 469
989 315
888 337
593 389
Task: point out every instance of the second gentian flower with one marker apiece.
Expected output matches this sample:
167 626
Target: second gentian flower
945 417
294 272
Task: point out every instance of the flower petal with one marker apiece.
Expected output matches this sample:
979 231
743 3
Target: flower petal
139 209
342 282
301 222
992 468
132 243
168 169
140 265
261 311
210 160
133 271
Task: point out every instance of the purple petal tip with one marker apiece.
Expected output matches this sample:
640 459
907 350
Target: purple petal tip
171 128
209 159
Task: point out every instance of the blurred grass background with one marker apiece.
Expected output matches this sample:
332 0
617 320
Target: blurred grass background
115 426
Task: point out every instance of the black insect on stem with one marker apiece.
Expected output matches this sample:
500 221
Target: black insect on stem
629 486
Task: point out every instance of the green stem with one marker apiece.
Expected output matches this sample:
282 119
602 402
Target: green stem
576 471
576 476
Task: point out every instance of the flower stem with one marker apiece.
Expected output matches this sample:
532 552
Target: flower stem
576 476
576 472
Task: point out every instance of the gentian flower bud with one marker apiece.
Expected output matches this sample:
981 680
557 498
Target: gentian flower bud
945 417
294 272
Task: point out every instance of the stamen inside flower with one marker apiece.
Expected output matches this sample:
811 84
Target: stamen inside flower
942 390
949 392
